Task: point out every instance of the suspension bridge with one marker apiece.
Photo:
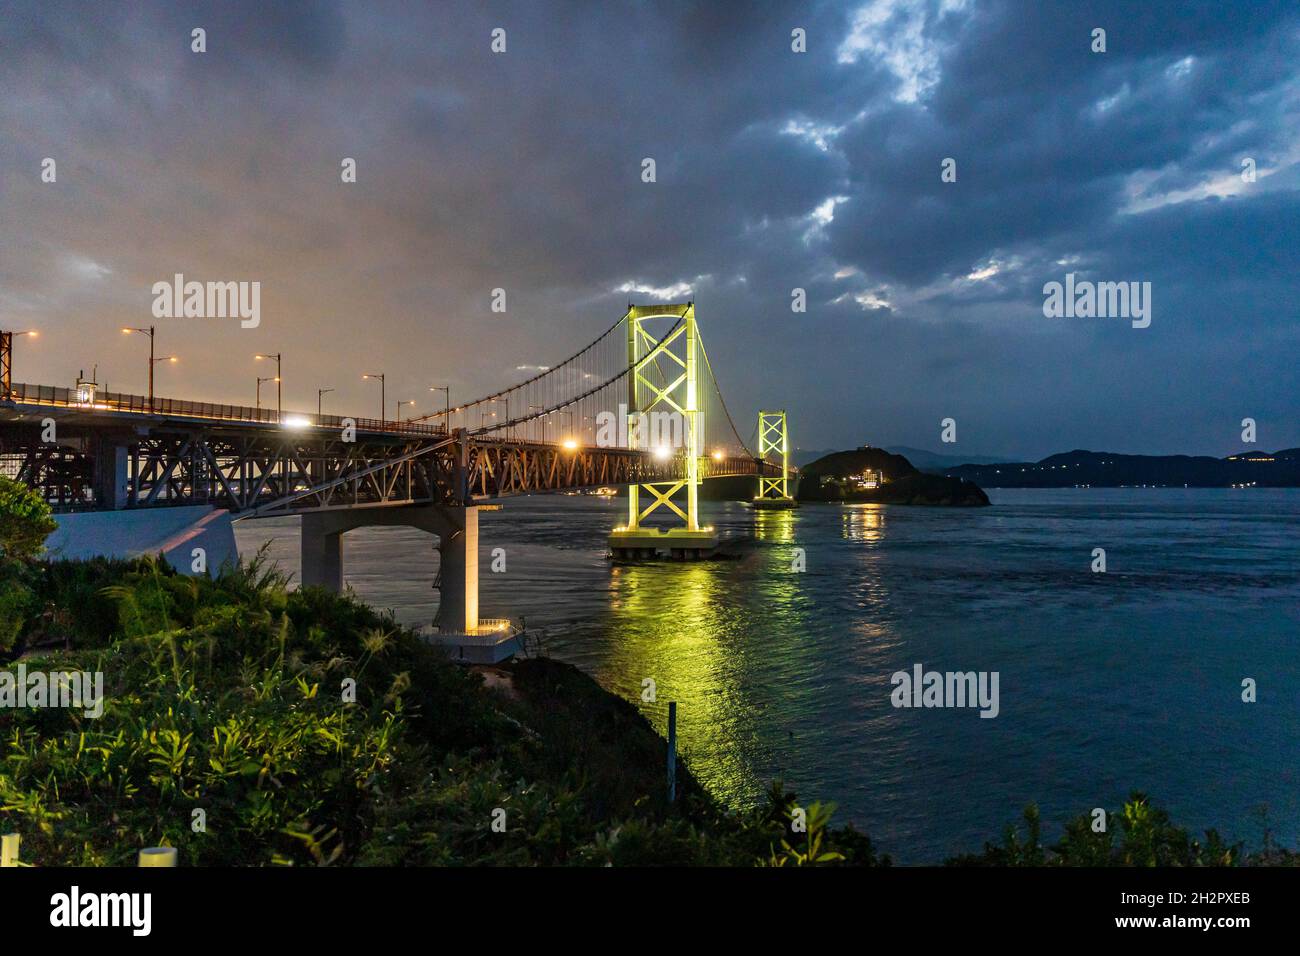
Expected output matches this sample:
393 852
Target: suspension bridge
639 407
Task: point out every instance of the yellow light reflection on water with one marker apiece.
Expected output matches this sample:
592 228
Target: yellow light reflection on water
726 640
775 526
676 624
863 522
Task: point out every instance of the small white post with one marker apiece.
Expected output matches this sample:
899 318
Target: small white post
9 849
158 856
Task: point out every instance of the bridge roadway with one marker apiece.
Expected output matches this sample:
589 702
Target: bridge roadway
123 451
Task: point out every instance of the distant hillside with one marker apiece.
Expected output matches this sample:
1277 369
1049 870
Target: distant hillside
802 456
934 461
1101 469
834 477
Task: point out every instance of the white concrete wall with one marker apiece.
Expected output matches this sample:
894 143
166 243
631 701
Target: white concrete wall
176 532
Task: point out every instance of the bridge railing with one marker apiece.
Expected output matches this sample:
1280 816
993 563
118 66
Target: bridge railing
59 396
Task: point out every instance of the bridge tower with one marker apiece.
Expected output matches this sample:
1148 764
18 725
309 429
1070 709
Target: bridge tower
665 418
774 436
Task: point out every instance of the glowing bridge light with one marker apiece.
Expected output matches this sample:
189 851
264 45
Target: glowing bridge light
570 444
663 452
717 456
296 421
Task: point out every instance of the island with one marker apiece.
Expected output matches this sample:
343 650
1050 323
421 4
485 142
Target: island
875 476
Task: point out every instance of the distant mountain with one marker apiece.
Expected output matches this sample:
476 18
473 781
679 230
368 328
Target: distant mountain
1099 469
836 477
802 456
934 461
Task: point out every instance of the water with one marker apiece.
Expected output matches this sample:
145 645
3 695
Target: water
1108 682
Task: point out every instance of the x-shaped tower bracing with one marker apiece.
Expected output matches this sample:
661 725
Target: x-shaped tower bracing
676 393
680 394
774 437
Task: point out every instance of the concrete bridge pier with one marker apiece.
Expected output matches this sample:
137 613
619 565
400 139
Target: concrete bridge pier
457 531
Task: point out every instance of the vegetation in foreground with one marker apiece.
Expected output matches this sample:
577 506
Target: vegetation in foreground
229 730
231 696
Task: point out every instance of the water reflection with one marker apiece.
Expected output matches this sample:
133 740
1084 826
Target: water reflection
776 526
676 625
863 522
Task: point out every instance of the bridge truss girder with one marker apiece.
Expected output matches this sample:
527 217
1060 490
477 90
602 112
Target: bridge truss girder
267 472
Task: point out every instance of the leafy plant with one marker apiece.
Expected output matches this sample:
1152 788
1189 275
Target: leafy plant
25 520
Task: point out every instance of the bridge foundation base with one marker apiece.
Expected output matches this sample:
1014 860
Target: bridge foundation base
457 531
774 504
646 543
490 643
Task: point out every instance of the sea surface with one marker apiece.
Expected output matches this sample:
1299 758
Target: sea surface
1109 682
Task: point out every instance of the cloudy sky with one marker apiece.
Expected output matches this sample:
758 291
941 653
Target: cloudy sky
775 170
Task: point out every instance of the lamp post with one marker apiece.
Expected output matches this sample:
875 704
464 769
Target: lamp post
164 358
542 419
7 361
409 401
260 380
382 387
483 414
279 387
446 391
149 332
319 393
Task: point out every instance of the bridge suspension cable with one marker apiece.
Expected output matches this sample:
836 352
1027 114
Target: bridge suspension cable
582 364
584 399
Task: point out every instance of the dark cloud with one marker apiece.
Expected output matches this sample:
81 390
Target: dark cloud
775 170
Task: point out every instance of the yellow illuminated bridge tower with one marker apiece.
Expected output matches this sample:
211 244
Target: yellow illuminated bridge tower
774 436
665 417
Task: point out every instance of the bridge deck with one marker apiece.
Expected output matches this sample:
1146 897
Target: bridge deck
114 404
121 451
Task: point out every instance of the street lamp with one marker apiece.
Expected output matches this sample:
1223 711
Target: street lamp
319 393
149 332
159 360
260 380
279 388
409 401
382 387
483 414
7 361
542 420
446 390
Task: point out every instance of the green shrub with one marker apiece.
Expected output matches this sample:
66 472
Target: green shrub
25 520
